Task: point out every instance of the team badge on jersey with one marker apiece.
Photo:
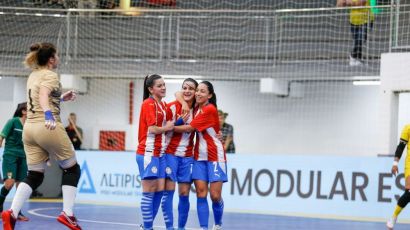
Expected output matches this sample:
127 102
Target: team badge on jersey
154 169
9 175
168 170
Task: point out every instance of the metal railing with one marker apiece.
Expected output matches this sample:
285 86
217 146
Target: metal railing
223 36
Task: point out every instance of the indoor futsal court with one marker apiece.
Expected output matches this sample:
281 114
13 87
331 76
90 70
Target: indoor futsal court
100 217
295 114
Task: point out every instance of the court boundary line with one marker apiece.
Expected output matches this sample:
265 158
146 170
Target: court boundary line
34 212
290 214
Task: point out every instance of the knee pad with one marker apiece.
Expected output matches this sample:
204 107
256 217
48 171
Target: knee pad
404 199
71 175
34 179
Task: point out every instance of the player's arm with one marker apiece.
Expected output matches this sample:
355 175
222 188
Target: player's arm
44 94
70 95
6 131
184 129
397 155
180 98
158 130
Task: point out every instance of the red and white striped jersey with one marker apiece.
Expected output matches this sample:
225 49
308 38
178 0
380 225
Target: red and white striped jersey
152 114
180 144
207 146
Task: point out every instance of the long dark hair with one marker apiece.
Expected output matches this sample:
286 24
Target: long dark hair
149 82
212 100
196 86
19 110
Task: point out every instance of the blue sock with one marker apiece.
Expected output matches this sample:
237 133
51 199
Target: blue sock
218 209
156 203
183 210
167 209
146 209
203 211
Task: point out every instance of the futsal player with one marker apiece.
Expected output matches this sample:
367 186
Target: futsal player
44 136
405 198
179 158
14 159
209 167
153 125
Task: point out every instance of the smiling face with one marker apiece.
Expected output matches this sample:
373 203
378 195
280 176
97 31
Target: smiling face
158 90
202 94
188 91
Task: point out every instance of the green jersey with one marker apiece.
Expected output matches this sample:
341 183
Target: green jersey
12 133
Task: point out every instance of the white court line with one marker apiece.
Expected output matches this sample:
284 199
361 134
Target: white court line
34 212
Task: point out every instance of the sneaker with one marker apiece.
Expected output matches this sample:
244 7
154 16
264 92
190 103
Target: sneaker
390 223
354 62
217 227
9 221
22 217
69 221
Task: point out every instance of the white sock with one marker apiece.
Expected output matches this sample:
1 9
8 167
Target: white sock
69 193
22 194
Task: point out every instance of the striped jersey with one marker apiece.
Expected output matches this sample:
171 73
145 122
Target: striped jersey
180 144
207 146
152 114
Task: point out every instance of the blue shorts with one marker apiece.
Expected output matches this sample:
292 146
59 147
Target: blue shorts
151 167
209 171
179 169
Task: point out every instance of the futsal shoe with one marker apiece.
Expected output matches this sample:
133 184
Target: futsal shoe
217 227
69 221
22 217
390 223
9 221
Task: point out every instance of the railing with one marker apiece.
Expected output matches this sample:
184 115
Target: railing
222 36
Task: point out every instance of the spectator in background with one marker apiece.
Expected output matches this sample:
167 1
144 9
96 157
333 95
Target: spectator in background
14 157
107 5
74 132
361 20
87 4
56 4
227 132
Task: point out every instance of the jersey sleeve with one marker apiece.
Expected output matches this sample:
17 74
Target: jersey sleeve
405 133
7 129
50 81
202 121
150 114
171 112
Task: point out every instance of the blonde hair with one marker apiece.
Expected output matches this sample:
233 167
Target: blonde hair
39 55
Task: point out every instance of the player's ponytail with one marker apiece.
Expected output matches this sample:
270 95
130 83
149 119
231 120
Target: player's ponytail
149 81
212 100
39 55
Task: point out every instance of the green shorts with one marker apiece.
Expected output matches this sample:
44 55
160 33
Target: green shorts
14 167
